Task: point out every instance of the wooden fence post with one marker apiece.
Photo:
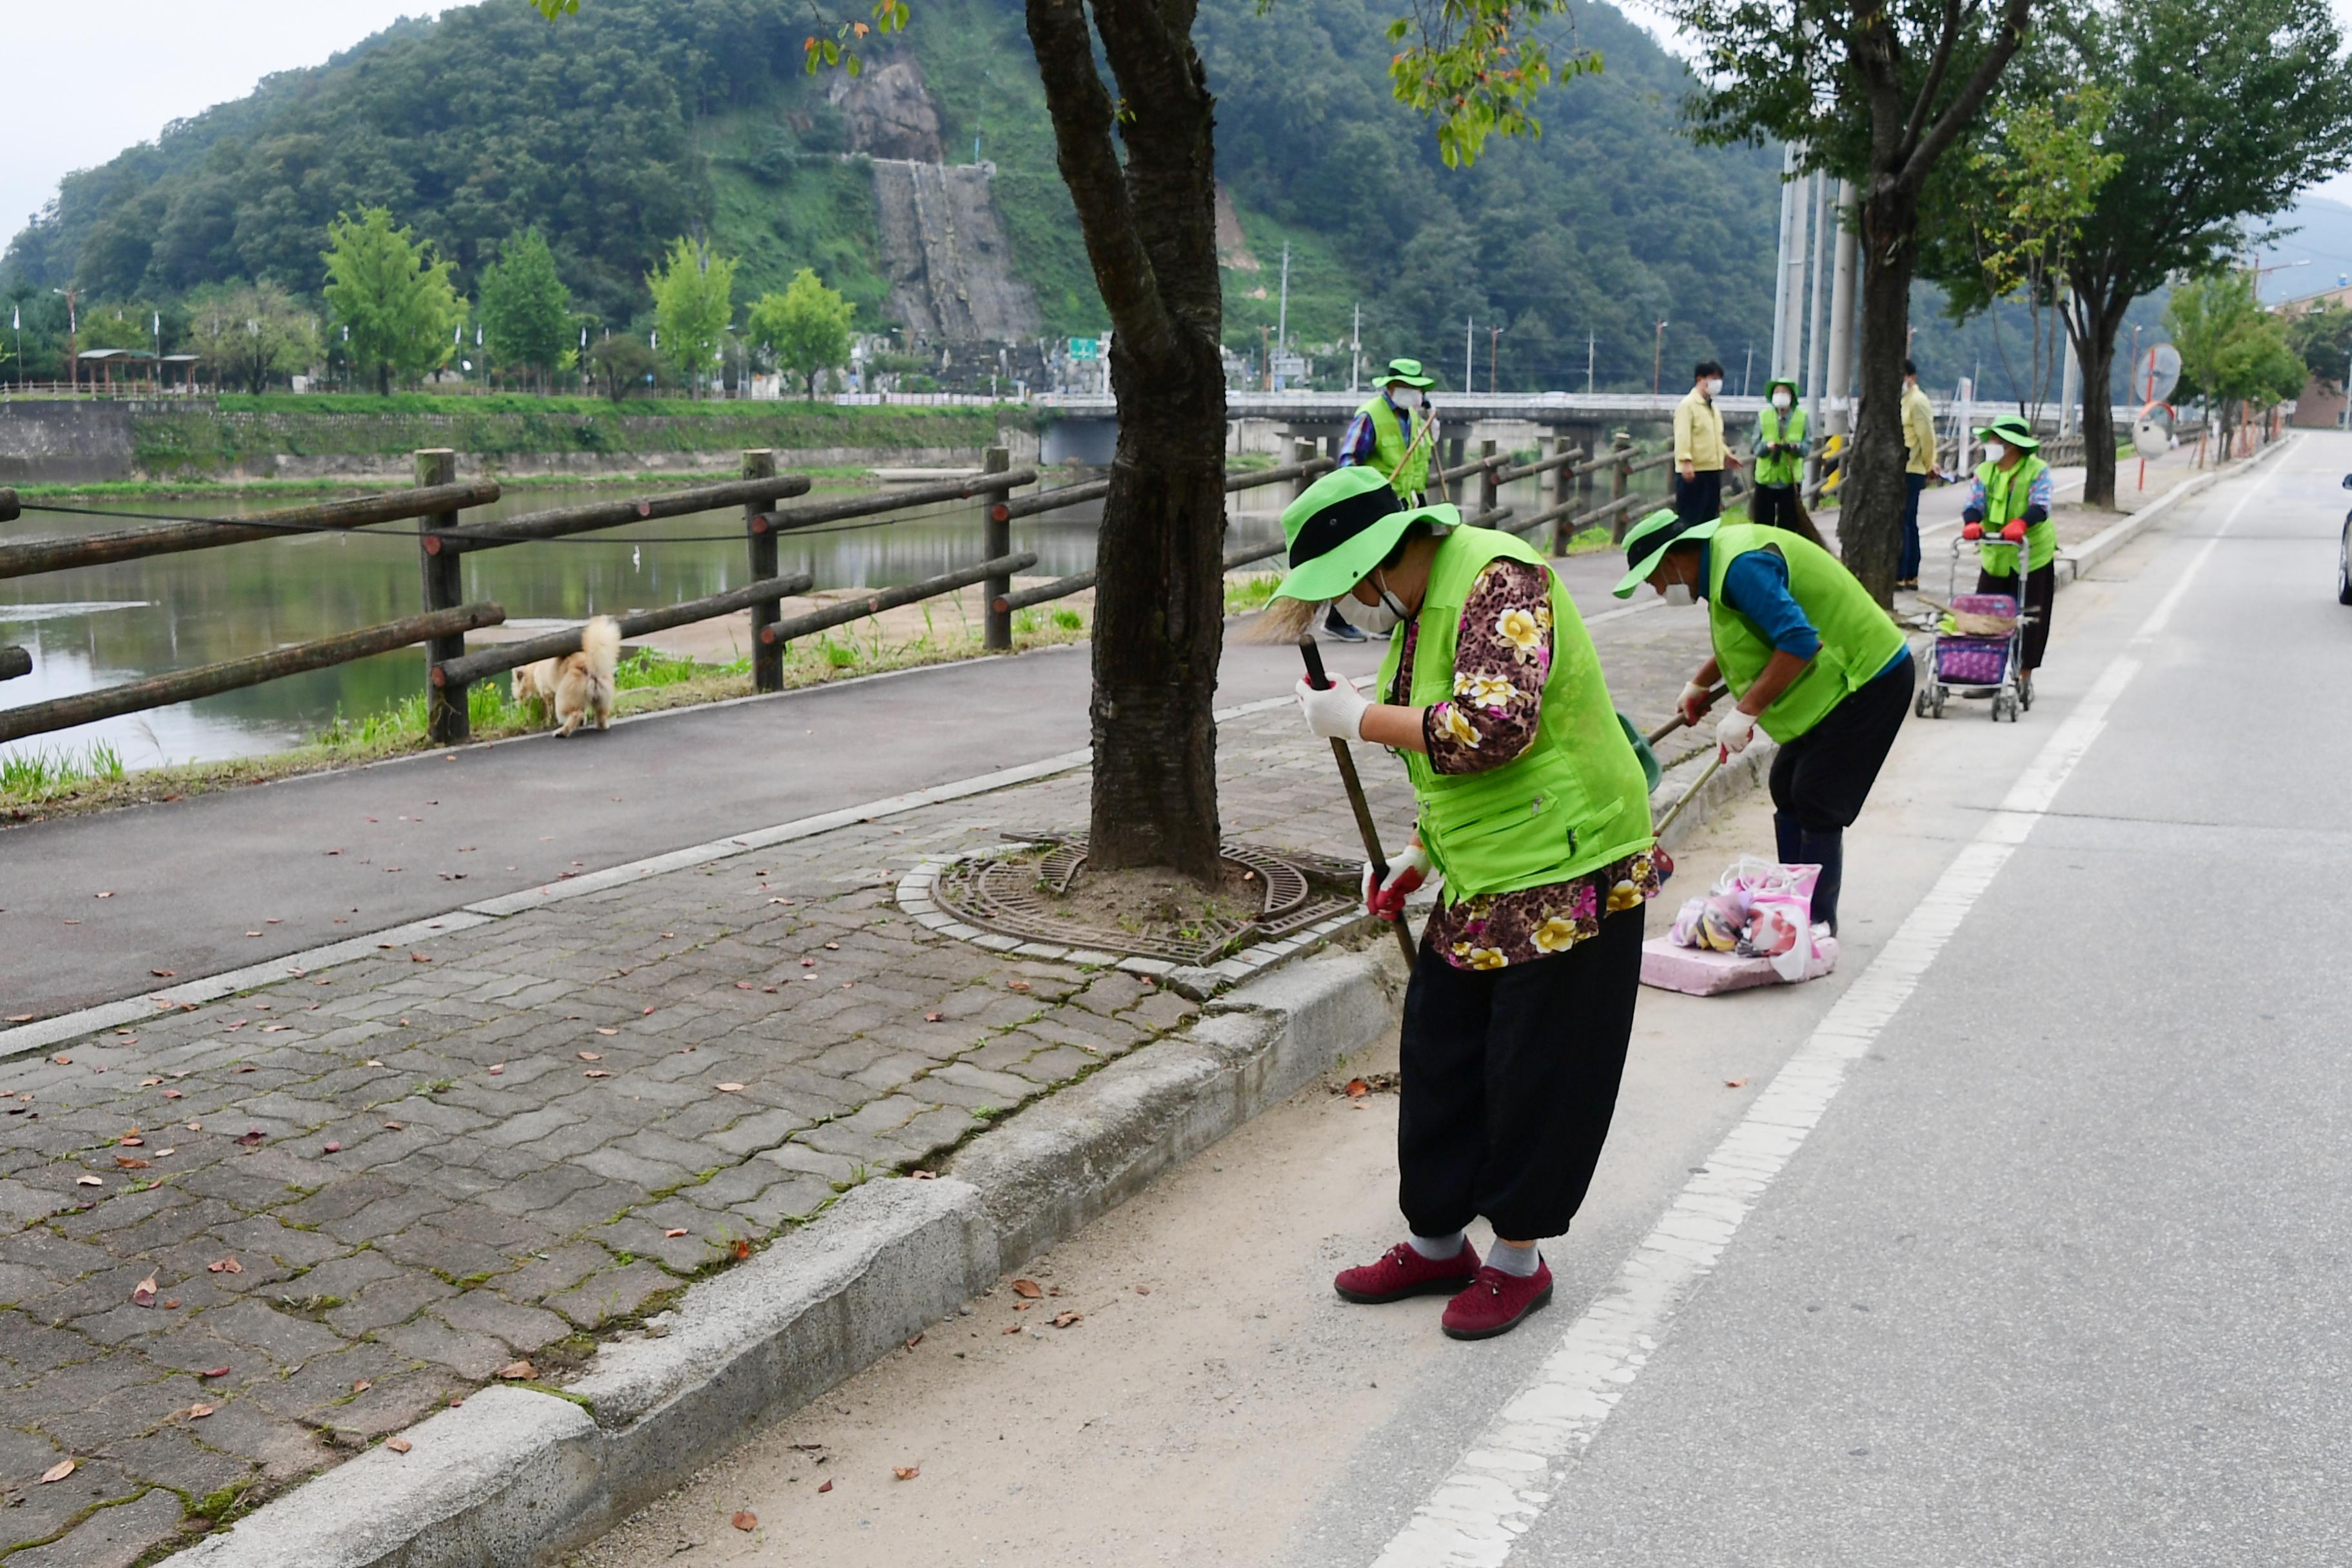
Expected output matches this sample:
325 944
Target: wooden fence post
1487 489
1621 480
767 659
447 720
1563 489
1302 452
996 542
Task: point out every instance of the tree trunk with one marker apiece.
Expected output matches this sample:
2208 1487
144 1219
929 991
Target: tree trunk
1149 220
383 378
2097 352
1870 502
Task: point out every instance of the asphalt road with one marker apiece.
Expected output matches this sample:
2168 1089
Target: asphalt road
314 859
2053 1270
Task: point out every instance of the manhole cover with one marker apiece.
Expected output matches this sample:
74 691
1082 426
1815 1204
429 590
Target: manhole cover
1020 894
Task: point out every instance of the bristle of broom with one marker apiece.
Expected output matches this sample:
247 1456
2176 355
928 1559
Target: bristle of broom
1282 620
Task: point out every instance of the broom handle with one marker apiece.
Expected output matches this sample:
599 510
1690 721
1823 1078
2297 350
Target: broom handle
1365 826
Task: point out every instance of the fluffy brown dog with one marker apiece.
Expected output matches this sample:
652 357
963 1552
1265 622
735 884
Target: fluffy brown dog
578 685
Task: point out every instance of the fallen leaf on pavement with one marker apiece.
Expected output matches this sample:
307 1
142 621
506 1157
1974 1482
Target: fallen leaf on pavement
742 1250
515 1369
418 958
1016 985
934 1017
730 1089
198 1411
162 973
108 894
149 1083
808 963
334 1148
1735 1083
90 1180
1022 1306
131 1140
215 1371
143 1293
745 1520
1358 1089
173 1094
592 1056
914 1342
62 1061
361 1385
65 1467
125 1162
398 1444
1143 1289
826 1487
674 1232
1066 1320
595 1072
906 1472
925 1176
392 1127
608 1031
1028 1289
21 1017
1011 1328
498 1070
250 1140
743 985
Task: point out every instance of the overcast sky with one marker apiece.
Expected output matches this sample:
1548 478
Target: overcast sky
86 83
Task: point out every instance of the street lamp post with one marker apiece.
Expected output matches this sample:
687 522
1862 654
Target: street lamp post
73 341
1658 360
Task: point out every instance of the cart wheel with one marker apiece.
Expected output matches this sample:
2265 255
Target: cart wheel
2025 690
1919 703
1939 701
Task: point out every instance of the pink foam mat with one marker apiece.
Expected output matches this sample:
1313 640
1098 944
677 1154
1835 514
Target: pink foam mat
1698 971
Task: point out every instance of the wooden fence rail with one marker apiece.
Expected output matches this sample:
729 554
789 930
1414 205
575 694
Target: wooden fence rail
13 662
564 520
489 662
209 679
778 633
9 510
30 557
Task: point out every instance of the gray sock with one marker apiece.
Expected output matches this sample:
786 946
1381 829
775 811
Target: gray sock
1438 1249
1518 1261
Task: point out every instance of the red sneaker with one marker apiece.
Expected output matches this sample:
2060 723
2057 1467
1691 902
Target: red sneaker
1496 1302
1403 1272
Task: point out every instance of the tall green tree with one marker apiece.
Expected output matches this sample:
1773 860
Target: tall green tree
806 327
694 298
2234 352
1874 91
2222 110
397 300
251 336
526 309
2322 340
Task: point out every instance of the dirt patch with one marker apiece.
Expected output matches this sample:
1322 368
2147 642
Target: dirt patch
1151 902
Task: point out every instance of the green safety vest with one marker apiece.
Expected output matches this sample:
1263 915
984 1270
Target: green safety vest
1858 640
1781 469
1406 476
1574 801
2007 495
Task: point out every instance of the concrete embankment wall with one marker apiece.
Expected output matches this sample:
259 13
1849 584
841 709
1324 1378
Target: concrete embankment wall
63 442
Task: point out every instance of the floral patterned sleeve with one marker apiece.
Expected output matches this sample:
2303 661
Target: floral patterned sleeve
1502 657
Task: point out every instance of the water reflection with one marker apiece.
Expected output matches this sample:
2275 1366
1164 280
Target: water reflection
103 625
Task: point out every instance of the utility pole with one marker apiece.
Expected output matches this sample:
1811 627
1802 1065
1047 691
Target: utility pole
1781 261
1817 369
1282 311
1840 381
1588 340
1469 347
1356 352
1747 375
1265 360
1494 337
1658 360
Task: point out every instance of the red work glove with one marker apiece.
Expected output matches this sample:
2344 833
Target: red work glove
1407 872
1972 531
2014 532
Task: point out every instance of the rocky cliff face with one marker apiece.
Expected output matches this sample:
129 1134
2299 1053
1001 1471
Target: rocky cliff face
887 112
951 271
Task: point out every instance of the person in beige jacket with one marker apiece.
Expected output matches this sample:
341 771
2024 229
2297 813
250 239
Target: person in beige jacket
1920 466
1700 454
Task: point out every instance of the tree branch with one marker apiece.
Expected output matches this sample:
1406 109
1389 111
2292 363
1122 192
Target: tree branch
2010 33
1936 70
1083 118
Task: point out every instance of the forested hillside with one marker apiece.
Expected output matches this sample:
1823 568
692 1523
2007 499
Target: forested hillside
639 120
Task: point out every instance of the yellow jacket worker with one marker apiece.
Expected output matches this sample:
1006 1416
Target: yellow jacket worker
1700 453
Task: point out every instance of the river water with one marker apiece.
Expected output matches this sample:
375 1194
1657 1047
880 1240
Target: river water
107 624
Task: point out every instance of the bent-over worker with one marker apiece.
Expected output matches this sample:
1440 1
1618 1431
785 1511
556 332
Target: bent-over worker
1808 654
2009 506
1534 806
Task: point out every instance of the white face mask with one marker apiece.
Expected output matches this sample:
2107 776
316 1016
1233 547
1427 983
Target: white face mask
1782 401
1405 397
1374 620
1678 594
1995 452
1714 384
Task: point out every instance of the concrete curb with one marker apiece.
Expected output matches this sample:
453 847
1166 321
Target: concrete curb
516 1475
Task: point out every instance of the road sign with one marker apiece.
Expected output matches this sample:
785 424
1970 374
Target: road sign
1085 348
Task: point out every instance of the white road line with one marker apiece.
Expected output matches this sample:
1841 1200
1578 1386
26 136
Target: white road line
1507 1477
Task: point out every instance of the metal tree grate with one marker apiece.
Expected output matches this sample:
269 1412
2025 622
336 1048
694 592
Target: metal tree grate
1014 897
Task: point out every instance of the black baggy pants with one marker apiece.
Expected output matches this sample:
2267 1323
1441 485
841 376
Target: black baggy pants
1509 1080
2040 596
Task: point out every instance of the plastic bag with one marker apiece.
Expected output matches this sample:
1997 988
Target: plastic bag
1758 909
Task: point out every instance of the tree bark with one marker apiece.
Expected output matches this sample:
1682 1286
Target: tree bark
1150 225
2105 305
1870 502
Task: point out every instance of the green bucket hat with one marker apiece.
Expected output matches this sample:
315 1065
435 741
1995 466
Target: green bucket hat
1341 527
1794 393
2010 430
1407 370
1647 541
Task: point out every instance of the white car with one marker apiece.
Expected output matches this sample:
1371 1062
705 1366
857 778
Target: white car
2344 556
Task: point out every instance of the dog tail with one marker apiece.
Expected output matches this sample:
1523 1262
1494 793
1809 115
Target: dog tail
599 639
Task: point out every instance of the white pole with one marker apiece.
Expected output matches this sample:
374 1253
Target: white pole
2070 381
1282 311
1590 340
1469 344
1780 263
1817 337
1840 385
1356 352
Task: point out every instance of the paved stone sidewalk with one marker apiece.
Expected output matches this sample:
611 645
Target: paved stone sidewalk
363 1192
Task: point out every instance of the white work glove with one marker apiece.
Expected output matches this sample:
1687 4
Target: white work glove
1734 730
1694 702
1406 872
1337 711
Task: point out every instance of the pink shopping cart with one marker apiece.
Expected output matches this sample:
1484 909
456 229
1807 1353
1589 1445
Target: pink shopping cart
1979 652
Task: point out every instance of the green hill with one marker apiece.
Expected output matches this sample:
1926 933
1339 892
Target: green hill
639 120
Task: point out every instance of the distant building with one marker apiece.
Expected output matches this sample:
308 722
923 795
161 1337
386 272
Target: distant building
2320 407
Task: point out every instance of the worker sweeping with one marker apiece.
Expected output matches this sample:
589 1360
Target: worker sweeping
1394 433
2009 508
1806 654
1534 805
